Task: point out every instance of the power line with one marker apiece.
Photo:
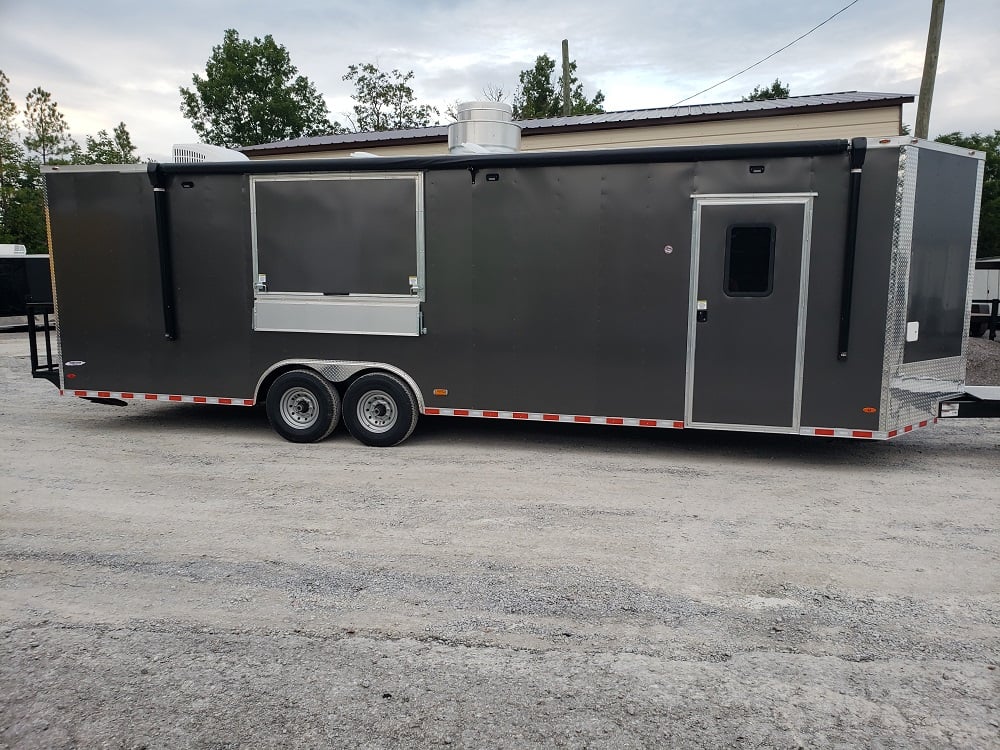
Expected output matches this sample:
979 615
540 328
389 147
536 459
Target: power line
765 59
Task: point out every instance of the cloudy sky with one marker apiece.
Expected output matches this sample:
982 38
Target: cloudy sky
106 61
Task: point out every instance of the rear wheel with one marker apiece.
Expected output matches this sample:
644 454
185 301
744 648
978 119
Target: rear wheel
302 407
380 410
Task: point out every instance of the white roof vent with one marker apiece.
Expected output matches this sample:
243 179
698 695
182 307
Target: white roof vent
194 153
484 127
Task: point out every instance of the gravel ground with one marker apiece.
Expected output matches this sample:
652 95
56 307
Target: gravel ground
983 362
176 576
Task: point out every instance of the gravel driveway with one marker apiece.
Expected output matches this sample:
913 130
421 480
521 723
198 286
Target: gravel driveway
176 576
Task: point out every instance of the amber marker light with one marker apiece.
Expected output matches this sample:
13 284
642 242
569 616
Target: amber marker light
869 410
440 391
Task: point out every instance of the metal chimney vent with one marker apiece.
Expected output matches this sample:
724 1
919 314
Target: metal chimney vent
484 127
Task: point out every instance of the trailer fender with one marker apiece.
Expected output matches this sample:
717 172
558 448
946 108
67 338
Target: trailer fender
336 371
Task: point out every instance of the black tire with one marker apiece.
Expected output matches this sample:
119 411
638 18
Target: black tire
380 410
302 406
977 328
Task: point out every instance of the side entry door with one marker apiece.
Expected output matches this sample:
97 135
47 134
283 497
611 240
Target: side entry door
746 337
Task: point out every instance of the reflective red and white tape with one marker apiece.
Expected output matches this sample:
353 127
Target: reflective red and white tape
662 423
543 417
174 398
490 414
866 434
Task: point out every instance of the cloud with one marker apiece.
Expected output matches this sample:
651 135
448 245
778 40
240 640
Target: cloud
114 60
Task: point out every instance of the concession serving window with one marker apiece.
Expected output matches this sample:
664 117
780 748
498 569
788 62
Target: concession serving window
338 253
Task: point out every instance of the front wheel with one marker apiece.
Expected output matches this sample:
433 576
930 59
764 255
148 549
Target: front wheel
302 407
380 410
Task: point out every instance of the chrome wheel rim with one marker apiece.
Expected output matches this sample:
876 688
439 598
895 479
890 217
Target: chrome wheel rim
299 408
377 411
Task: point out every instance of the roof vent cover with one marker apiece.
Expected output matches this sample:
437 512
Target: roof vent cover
195 153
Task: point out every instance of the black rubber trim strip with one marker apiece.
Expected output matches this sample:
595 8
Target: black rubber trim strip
534 159
859 147
162 207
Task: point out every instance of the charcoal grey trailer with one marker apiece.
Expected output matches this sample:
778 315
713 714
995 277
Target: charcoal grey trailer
816 288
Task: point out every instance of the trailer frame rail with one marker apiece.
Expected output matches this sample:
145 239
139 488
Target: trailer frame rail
977 402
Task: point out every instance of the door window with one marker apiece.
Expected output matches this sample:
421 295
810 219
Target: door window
749 260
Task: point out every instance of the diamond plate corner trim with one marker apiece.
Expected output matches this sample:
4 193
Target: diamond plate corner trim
972 255
899 279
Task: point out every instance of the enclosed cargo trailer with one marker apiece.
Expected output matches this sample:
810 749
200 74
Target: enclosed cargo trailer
24 280
815 288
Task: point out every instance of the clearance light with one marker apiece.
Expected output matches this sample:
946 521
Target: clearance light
440 391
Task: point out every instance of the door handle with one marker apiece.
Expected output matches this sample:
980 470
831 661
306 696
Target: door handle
702 312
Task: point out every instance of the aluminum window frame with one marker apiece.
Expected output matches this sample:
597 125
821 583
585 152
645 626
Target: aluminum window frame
419 227
355 312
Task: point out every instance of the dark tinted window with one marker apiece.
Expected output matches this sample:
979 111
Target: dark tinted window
750 260
337 236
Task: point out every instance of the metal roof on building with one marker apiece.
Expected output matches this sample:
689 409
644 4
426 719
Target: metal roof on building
605 121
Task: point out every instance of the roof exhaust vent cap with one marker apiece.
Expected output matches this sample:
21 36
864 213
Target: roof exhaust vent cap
486 125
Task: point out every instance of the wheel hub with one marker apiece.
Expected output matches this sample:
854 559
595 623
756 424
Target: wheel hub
299 408
377 411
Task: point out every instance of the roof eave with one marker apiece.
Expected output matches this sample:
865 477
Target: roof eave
530 130
716 116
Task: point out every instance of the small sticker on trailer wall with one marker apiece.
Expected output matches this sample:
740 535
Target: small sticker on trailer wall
912 330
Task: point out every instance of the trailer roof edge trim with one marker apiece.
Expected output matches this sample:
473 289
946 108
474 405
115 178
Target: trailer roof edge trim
661 154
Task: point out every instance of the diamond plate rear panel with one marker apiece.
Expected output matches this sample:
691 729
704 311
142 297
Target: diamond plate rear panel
911 391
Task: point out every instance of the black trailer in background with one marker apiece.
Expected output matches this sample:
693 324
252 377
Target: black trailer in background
985 312
24 280
812 288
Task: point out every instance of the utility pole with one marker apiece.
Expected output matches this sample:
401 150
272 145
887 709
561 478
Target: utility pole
567 105
930 69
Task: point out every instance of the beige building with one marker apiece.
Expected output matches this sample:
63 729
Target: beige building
817 117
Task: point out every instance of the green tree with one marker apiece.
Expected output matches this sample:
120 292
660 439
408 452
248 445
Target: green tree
251 94
11 153
776 90
989 208
48 133
105 148
24 215
540 92
385 101
22 218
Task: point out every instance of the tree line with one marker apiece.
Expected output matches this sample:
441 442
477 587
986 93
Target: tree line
252 93
40 136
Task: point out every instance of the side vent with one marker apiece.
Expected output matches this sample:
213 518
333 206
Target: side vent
195 153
